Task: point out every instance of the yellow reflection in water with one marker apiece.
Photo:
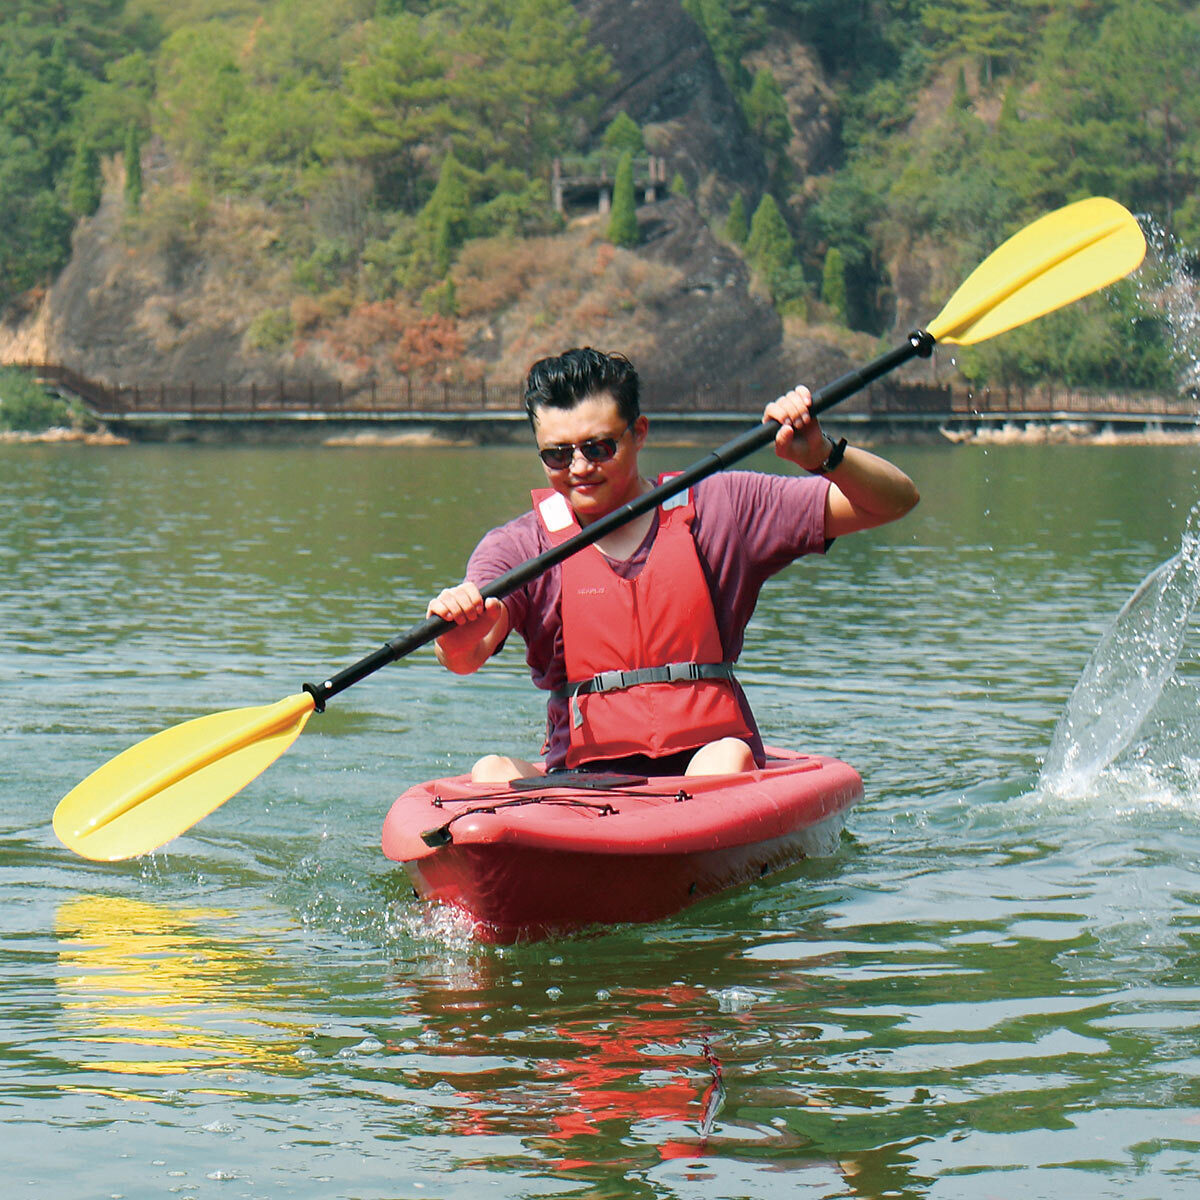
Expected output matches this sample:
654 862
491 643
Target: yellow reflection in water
152 991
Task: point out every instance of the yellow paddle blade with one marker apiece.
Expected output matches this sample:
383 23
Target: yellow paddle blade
1065 255
161 787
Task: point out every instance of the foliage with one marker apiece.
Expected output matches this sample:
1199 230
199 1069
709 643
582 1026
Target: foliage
84 182
833 283
766 114
26 405
448 114
52 64
386 137
736 229
133 170
624 133
1104 343
622 222
771 251
271 330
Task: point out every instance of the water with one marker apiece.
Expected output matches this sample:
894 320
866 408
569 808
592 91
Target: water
991 990
1123 681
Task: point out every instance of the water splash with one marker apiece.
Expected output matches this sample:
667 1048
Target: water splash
1166 284
1127 673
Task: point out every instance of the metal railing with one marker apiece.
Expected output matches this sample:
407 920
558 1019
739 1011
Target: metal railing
890 398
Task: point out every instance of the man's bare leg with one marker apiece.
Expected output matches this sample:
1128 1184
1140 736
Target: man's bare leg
727 756
499 768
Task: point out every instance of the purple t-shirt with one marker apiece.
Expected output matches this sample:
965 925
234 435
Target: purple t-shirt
748 526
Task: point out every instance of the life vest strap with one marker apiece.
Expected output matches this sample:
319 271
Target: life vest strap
613 681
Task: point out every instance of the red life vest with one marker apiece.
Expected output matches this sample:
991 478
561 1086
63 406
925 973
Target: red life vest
644 658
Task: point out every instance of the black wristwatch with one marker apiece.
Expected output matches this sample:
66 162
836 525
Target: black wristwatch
835 457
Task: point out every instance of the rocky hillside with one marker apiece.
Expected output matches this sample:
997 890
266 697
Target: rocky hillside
180 296
327 189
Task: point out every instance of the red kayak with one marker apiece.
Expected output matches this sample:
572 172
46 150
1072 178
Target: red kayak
552 854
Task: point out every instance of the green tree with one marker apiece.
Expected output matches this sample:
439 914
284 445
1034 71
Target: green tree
200 89
37 237
726 38
624 133
769 246
766 111
84 184
1149 54
398 101
771 251
987 30
961 100
833 283
736 229
133 169
446 217
622 221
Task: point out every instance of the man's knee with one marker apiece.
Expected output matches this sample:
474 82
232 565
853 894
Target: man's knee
726 756
499 768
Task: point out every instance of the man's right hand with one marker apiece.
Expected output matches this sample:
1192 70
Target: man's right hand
479 627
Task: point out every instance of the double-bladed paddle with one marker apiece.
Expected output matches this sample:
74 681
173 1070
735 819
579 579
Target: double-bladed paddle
161 787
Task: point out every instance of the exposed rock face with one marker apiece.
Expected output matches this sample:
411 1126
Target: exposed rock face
811 105
125 311
712 328
670 85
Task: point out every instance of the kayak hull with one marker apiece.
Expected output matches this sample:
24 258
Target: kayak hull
540 861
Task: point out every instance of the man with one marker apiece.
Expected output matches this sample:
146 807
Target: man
665 598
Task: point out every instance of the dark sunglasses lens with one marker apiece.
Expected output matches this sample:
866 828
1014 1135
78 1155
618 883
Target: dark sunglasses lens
595 450
599 449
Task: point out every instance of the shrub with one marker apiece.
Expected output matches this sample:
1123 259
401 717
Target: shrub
271 330
622 223
26 405
624 134
736 229
833 283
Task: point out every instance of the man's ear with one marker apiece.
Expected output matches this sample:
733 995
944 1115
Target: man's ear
640 428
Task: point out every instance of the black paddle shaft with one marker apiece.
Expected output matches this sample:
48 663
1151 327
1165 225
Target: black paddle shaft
918 345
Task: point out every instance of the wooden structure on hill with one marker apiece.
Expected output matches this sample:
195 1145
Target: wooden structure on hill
579 180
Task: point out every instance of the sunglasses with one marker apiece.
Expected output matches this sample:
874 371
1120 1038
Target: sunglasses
594 450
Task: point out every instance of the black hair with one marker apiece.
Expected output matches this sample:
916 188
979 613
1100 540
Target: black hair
574 375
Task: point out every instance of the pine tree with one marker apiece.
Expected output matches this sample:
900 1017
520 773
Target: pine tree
133 169
736 229
769 246
84 186
771 251
624 133
833 283
961 100
622 222
766 112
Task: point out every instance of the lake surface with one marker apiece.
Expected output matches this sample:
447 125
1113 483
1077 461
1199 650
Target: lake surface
991 990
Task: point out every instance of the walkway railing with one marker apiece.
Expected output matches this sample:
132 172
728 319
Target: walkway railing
413 395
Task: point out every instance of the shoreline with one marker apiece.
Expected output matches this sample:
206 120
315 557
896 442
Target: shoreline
59 435
1031 433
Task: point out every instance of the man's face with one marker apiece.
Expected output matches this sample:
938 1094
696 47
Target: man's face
593 489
